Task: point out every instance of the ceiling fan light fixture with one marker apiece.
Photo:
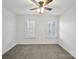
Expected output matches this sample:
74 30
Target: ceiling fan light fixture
41 5
40 10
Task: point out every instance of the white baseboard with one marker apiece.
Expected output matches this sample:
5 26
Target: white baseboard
35 41
66 48
8 47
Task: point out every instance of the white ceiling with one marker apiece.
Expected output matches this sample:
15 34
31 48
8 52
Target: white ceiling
21 7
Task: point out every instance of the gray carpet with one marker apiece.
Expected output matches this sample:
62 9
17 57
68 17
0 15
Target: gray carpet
37 52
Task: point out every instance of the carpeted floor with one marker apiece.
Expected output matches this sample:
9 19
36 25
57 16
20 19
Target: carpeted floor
37 52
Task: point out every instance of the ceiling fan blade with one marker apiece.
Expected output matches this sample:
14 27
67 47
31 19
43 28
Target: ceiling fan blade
48 8
35 2
33 8
47 2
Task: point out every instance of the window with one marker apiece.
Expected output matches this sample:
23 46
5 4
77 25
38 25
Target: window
29 29
51 29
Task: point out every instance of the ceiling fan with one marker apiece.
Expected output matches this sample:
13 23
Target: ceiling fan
41 5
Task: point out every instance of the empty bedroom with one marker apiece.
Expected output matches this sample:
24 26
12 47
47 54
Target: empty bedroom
38 29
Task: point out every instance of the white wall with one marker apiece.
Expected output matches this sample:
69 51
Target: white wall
40 30
8 30
68 31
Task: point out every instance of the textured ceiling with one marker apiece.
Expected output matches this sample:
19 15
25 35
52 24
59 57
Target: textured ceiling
21 7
